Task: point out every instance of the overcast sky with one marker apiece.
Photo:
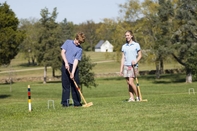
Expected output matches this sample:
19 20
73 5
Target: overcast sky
77 11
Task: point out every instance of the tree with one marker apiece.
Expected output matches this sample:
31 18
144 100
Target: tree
106 30
85 74
49 42
192 62
10 36
31 27
67 29
184 38
163 34
141 17
117 38
89 28
132 10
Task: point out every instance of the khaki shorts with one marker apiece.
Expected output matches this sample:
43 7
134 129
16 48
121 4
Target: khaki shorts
128 71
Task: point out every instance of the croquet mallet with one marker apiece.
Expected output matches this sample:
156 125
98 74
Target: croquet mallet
86 104
138 87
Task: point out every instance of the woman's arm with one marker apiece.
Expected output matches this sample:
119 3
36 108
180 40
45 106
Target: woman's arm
139 56
122 64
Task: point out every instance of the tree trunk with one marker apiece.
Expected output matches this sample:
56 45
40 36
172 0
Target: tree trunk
188 76
33 60
45 74
53 72
91 45
157 70
29 61
161 66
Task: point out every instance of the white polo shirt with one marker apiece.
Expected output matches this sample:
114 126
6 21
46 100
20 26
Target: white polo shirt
130 52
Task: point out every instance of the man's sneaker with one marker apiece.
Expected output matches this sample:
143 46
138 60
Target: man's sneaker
131 100
137 99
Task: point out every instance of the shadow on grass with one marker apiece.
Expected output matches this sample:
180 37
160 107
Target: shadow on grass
4 96
6 83
112 78
125 100
28 65
169 82
164 79
54 82
49 82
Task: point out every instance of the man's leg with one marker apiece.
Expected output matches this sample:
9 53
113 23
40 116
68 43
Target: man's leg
75 93
65 87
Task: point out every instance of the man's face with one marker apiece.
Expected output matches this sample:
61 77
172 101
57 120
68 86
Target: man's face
77 42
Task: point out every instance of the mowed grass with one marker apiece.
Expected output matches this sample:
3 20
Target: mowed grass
105 63
169 107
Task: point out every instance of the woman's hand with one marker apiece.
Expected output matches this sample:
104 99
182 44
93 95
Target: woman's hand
121 74
133 63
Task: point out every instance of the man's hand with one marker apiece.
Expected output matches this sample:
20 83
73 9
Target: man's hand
71 76
67 66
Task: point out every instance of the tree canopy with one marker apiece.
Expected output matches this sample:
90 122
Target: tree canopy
163 28
184 38
49 41
85 73
10 36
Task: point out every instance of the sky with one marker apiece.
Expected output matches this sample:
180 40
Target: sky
76 11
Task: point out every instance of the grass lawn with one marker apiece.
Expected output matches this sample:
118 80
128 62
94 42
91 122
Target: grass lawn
105 63
169 107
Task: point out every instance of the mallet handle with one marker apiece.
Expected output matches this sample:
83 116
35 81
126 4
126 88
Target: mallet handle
138 87
78 88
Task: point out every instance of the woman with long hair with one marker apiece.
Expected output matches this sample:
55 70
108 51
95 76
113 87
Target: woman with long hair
131 54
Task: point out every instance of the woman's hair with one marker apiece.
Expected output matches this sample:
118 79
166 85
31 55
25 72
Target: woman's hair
131 33
80 37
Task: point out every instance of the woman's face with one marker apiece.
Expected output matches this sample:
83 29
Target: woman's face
128 37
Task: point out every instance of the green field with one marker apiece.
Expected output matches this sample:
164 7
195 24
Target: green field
105 63
169 107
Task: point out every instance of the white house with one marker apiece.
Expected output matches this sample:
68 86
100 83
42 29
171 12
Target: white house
104 46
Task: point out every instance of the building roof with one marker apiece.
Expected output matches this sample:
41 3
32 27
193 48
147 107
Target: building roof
98 45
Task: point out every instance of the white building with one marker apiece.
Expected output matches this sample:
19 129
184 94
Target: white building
104 46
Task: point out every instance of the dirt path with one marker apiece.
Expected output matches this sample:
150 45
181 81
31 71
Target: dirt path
40 68
12 70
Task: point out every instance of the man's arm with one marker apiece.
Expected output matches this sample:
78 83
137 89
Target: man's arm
64 58
75 63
